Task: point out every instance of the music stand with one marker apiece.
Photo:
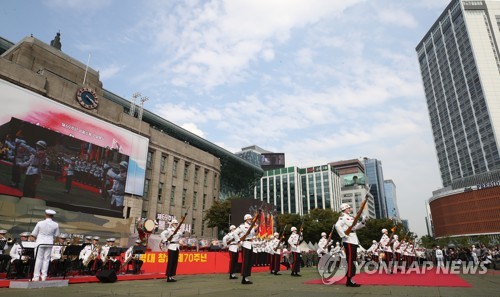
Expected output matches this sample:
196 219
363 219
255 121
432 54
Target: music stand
138 250
114 251
70 250
28 250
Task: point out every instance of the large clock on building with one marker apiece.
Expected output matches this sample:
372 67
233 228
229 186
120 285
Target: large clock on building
87 98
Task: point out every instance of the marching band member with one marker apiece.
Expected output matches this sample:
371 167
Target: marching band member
56 261
45 231
230 240
16 258
294 241
373 251
402 250
4 246
113 261
134 259
350 241
173 233
103 254
246 247
90 256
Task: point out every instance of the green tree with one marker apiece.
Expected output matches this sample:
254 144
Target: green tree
217 216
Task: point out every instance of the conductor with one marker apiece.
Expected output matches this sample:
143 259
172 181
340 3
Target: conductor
45 231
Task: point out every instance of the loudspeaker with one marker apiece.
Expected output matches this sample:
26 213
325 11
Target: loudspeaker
106 276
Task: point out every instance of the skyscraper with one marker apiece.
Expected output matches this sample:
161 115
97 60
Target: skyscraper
375 179
460 67
391 199
459 61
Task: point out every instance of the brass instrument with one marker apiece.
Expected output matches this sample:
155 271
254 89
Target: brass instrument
104 255
92 256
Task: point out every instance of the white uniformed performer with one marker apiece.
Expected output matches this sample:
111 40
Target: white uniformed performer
45 231
230 240
90 256
246 248
275 246
323 245
56 266
173 249
350 242
294 242
396 251
4 246
16 257
134 259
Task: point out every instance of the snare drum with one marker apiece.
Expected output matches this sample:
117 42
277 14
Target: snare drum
145 226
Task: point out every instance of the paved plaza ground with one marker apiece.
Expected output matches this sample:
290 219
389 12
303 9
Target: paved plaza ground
265 284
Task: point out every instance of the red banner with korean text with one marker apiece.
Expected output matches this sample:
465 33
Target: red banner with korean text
189 262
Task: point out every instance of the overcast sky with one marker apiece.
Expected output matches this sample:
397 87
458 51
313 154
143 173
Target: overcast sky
321 81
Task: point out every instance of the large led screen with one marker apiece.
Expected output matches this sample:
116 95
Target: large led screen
69 159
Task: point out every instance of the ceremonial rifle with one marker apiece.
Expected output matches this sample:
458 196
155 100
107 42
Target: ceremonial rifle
360 211
254 220
179 225
281 238
329 237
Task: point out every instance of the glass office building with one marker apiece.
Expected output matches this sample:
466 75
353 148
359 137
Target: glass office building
375 179
460 68
298 190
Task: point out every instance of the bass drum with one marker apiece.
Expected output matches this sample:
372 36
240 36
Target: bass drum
145 226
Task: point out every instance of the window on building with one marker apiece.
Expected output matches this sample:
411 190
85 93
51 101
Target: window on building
196 173
163 163
160 191
172 195
204 201
193 223
186 171
184 191
202 228
174 167
215 181
149 160
146 189
144 214
205 178
195 194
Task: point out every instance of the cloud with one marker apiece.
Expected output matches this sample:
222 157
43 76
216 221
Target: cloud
110 71
191 127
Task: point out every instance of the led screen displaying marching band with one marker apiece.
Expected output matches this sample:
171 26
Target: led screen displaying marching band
69 159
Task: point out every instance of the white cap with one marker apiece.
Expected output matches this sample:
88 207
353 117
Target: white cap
63 236
396 237
137 241
344 206
276 234
174 221
293 229
337 243
3 231
124 164
41 144
232 227
24 234
111 239
88 237
50 212
374 241
246 217
323 234
95 238
384 230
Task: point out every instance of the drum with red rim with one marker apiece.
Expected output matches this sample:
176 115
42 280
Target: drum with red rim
145 226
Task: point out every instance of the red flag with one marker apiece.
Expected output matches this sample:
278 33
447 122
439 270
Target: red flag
270 225
262 225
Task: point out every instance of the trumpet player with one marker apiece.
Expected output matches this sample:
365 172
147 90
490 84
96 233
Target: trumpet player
16 256
4 245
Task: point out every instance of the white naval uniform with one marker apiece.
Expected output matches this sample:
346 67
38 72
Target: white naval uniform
45 231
